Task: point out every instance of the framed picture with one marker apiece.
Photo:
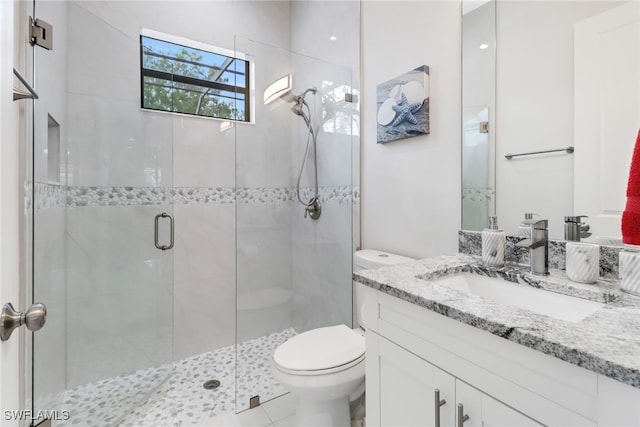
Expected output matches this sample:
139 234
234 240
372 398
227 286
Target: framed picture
403 106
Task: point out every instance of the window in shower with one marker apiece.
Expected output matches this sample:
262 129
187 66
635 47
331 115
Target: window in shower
183 76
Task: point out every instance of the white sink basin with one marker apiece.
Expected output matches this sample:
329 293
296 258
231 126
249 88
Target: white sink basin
539 301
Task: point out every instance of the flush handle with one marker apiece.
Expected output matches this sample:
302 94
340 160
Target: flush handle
34 319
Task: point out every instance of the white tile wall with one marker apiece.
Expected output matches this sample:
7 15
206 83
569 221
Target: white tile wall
263 268
322 267
203 155
204 287
120 288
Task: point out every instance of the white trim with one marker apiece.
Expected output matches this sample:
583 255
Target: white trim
9 216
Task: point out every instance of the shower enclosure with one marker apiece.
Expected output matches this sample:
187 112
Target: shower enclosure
170 249
293 272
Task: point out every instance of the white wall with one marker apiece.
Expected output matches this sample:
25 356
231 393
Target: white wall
411 188
535 108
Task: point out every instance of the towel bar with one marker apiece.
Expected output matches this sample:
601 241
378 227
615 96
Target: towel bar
511 156
18 94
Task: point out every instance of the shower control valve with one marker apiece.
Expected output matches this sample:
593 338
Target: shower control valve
313 209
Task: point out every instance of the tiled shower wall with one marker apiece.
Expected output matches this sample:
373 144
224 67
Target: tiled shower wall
322 250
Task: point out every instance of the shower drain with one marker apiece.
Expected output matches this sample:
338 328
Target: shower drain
211 384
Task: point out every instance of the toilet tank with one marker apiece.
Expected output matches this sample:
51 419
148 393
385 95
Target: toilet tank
367 259
370 258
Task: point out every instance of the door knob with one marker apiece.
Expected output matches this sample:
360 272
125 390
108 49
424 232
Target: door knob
34 318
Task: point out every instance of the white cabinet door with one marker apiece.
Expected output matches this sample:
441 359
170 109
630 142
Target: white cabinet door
484 411
407 389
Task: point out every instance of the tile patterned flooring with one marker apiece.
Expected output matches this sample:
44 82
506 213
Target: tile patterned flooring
181 399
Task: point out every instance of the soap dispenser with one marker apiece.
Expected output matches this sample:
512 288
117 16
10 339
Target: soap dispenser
524 229
494 244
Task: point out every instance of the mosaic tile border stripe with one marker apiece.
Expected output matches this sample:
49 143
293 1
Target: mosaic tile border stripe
127 196
473 194
49 196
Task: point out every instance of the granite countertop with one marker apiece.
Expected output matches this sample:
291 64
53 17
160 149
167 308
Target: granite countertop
606 342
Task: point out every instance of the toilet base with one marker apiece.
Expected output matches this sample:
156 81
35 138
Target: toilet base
323 413
323 399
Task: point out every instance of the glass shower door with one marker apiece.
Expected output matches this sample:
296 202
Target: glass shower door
293 272
101 219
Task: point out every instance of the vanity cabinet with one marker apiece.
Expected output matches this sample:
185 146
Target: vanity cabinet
409 386
412 351
484 411
414 392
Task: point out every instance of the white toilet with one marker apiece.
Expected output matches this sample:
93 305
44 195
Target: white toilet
324 366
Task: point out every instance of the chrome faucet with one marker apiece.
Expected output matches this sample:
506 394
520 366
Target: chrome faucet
538 246
575 229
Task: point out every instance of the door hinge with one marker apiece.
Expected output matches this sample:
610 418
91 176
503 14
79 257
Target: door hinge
41 33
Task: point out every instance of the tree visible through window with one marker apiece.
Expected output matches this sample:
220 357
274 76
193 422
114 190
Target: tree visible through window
187 80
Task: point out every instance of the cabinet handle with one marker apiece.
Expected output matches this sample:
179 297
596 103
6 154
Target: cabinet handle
461 416
438 403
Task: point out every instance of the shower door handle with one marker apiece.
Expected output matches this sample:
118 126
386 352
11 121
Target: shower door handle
156 232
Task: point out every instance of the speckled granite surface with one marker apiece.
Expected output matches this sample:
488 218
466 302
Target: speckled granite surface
470 242
606 342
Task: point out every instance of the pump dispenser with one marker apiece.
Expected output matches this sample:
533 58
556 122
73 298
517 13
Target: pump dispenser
524 229
494 244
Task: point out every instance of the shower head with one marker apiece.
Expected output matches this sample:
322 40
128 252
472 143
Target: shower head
299 101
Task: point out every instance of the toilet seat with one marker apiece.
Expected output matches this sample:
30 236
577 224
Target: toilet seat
320 351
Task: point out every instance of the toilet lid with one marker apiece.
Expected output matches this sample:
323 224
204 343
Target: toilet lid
318 349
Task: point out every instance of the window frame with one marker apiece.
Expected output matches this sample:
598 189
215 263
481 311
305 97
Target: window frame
248 90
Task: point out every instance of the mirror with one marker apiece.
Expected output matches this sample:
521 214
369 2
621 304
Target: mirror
566 75
478 112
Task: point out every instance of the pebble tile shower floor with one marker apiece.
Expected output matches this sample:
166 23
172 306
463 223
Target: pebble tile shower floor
181 400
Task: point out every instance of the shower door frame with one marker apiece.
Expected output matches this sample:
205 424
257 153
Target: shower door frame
12 387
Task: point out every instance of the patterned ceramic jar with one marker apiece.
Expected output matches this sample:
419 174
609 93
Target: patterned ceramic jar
630 271
583 262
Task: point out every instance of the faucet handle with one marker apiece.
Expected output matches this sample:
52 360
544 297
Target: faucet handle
541 224
537 224
575 218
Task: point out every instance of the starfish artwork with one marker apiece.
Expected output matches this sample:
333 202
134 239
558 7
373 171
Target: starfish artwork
406 111
403 106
